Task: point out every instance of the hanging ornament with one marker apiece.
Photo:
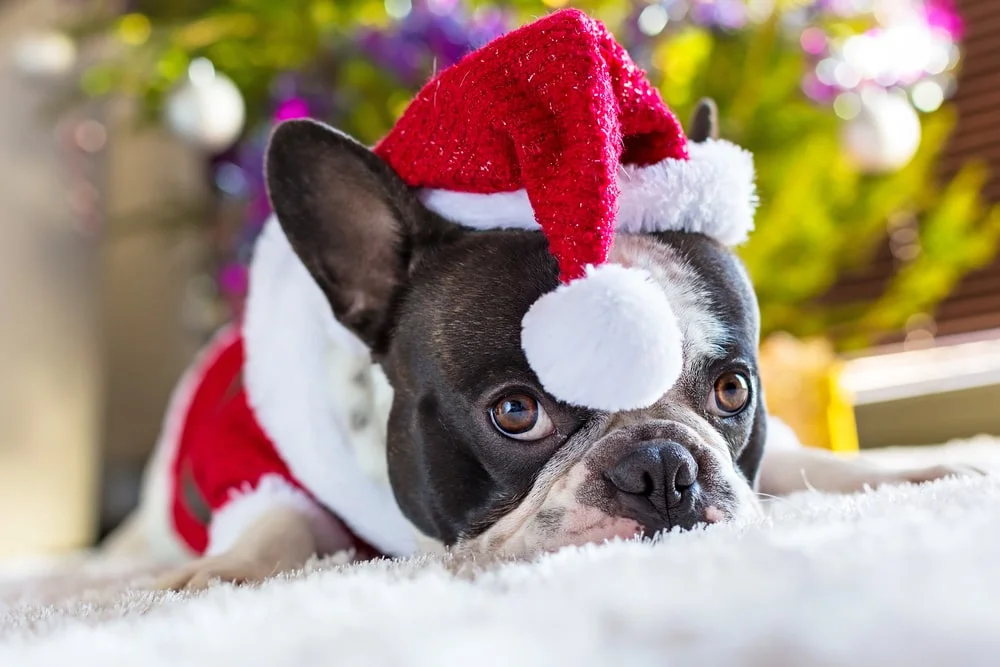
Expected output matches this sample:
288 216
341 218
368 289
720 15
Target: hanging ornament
44 54
885 133
207 109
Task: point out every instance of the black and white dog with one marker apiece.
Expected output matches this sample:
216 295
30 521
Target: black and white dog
479 456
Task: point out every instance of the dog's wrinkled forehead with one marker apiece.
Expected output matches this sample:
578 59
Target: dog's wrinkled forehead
709 310
468 299
461 318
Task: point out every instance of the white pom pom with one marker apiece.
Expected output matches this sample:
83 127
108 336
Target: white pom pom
608 341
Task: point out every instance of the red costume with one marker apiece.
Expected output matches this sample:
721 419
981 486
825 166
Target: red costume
221 450
264 417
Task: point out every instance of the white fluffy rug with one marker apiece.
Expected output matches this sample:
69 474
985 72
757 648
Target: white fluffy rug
902 576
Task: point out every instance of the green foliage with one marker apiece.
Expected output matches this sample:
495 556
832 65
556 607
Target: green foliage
252 41
820 218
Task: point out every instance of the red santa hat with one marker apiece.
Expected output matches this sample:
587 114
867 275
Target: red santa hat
553 127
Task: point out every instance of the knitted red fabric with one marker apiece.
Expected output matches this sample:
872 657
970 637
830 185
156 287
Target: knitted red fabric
222 449
554 107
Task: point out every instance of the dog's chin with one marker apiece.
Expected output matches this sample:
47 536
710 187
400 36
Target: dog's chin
603 528
584 526
599 529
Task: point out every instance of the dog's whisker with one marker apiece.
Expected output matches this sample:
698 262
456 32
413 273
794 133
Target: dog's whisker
806 482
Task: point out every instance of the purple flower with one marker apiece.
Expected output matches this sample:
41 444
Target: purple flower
703 13
234 279
488 23
941 14
731 14
813 41
440 7
816 90
293 107
429 38
393 52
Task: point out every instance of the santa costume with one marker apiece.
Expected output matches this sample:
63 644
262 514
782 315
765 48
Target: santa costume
551 127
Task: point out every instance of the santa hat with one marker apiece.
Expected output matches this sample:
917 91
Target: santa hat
553 127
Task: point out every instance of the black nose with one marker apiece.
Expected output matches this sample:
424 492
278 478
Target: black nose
660 472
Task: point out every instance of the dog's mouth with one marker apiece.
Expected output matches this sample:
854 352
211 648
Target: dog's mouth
550 530
609 528
591 526
602 529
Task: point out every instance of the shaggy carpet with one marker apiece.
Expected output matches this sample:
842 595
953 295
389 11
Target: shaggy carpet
899 576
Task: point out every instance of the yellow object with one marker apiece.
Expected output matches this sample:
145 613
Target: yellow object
802 387
134 29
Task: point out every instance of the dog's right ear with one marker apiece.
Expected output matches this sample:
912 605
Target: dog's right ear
704 123
350 219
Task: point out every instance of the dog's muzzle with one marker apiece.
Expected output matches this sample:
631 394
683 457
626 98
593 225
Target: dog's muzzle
657 485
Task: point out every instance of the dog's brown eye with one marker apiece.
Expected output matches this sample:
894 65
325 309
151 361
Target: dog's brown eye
730 396
521 417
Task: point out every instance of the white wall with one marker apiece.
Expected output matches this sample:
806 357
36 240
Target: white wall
49 384
92 332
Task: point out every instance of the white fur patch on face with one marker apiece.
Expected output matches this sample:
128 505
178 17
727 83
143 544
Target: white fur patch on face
704 334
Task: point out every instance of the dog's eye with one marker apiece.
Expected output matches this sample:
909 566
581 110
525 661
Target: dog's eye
521 417
730 395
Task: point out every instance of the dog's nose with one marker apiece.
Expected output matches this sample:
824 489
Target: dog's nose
662 472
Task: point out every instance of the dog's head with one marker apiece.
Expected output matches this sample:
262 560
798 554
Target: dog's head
479 454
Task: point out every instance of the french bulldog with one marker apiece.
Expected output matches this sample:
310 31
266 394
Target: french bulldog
481 459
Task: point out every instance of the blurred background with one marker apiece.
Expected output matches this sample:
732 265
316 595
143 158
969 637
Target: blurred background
131 141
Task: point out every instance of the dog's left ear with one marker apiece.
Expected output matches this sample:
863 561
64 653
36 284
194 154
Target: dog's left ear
350 219
704 121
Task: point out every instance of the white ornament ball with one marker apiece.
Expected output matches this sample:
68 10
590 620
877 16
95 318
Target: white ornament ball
44 54
207 110
885 135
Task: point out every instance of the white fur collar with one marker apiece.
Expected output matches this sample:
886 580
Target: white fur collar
713 193
307 379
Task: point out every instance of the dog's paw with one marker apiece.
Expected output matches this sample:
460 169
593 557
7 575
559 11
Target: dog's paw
227 568
932 473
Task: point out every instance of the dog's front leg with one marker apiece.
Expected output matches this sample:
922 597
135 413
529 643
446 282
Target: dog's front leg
281 540
786 470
